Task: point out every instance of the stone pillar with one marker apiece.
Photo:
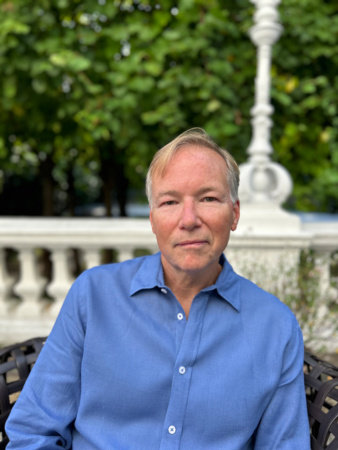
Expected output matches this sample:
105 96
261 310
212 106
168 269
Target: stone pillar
265 185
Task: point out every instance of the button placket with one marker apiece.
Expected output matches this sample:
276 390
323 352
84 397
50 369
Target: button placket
187 344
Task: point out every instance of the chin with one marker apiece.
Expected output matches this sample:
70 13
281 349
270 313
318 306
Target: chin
195 265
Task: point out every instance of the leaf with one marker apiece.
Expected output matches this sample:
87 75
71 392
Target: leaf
230 129
10 25
153 68
142 84
308 87
71 60
214 105
10 87
39 85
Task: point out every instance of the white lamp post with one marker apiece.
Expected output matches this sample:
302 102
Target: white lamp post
265 185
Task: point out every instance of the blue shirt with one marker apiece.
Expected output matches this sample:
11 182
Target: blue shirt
123 369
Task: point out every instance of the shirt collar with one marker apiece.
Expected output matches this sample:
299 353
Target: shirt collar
227 284
150 275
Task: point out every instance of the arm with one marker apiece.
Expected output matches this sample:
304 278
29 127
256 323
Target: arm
46 409
284 424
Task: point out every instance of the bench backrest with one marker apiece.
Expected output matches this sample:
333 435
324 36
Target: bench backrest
16 362
321 382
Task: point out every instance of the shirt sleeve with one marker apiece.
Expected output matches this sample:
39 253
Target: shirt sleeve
46 408
284 424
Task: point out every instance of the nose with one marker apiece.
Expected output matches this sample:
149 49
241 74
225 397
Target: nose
189 216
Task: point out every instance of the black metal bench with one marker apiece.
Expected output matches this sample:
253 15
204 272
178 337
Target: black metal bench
16 362
321 381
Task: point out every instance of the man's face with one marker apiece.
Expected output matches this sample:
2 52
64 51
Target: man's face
192 213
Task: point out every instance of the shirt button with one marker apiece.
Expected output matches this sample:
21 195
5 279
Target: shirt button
164 291
172 429
182 370
180 316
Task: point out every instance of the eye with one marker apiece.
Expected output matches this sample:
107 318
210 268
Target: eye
168 203
209 199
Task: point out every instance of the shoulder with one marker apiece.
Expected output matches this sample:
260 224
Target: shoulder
115 271
104 285
262 307
101 282
271 328
256 296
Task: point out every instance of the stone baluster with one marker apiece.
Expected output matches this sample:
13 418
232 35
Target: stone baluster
61 278
322 264
92 257
4 281
30 286
124 253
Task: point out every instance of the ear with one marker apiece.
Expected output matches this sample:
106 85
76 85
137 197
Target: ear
151 221
236 215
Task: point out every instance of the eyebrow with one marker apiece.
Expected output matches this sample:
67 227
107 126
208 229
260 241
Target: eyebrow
170 192
201 191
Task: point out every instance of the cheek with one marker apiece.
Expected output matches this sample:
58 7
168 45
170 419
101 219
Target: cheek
160 225
221 228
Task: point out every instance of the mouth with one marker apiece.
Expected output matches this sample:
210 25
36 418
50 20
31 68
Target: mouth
192 244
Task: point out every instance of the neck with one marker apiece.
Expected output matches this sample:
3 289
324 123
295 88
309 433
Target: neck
185 286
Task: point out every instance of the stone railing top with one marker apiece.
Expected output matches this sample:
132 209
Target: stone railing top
73 231
76 231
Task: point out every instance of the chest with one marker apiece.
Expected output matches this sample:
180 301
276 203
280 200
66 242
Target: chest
160 367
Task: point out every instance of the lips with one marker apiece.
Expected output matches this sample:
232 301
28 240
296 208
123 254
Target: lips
192 243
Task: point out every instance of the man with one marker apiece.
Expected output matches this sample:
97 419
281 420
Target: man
172 350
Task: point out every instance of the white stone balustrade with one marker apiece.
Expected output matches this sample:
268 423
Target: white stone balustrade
30 299
30 296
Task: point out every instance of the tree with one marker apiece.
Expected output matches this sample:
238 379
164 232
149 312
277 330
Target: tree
92 88
85 82
170 70
305 92
39 133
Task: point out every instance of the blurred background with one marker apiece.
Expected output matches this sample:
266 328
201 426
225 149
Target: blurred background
90 89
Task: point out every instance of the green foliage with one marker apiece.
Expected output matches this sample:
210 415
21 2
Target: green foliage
91 88
305 91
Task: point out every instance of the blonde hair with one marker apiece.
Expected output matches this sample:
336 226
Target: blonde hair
198 137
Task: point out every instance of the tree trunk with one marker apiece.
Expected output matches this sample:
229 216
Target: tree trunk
113 179
47 184
121 187
71 202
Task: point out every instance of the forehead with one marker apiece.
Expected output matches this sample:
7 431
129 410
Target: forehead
193 163
195 155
